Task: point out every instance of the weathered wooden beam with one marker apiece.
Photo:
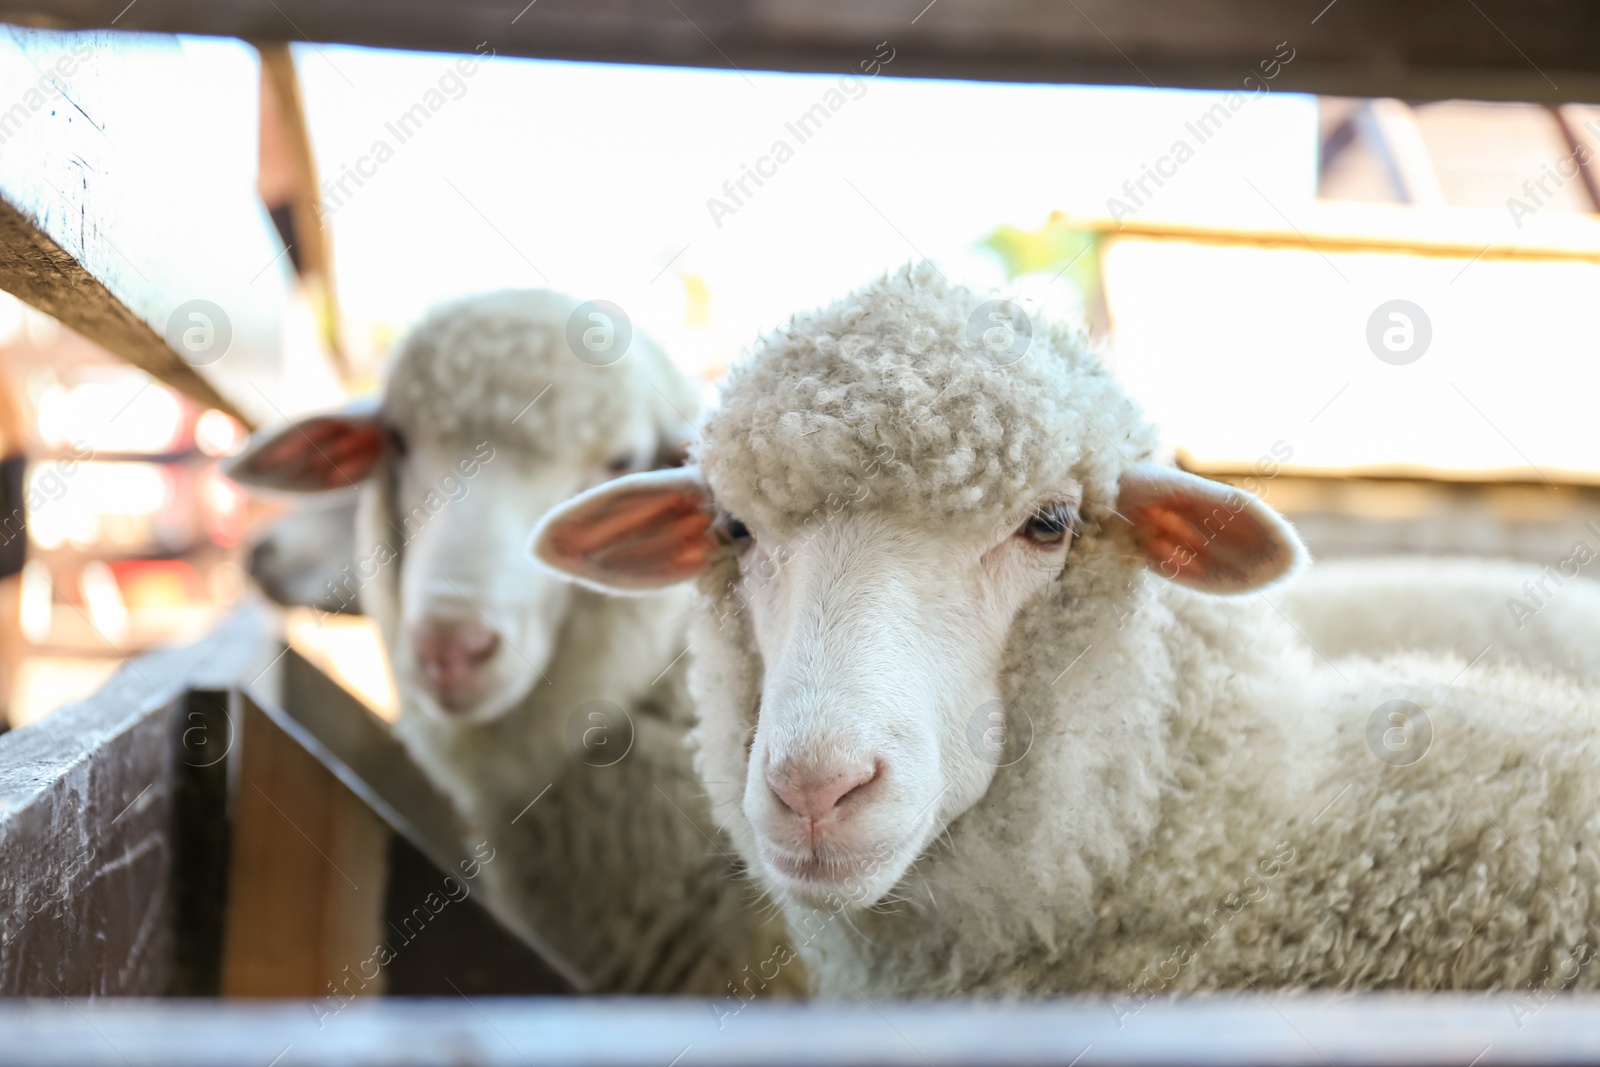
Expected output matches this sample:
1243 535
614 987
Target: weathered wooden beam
35 269
1239 1030
179 833
128 208
1422 49
94 854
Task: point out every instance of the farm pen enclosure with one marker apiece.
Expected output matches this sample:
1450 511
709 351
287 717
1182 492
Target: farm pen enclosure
224 856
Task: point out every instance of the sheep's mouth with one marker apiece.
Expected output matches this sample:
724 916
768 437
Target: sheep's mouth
821 874
818 869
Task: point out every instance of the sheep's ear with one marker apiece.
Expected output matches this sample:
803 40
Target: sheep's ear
1204 534
331 451
631 535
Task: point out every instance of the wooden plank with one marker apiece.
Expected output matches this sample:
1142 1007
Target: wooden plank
128 207
306 886
89 838
1424 49
87 872
1238 1030
462 950
349 875
358 747
469 941
201 840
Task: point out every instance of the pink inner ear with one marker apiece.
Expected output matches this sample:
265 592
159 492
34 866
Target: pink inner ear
1205 534
320 453
1231 552
640 538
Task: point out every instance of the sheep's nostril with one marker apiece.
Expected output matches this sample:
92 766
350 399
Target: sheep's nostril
480 646
815 792
450 654
860 786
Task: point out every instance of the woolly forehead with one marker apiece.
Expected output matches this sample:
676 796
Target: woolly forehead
895 412
509 378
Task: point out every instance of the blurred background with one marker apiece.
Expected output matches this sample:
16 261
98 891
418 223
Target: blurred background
1392 304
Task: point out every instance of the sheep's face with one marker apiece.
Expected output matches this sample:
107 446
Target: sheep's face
299 559
881 644
476 622
882 647
479 622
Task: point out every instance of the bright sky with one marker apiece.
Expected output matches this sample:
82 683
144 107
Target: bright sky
595 179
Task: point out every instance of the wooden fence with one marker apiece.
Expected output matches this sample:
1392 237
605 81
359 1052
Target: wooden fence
224 819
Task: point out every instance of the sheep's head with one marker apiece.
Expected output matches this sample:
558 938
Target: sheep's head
878 500
487 421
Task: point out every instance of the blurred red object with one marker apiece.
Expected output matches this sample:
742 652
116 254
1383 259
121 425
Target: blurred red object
158 583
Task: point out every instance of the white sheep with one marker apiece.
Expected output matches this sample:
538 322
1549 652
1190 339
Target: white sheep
1491 611
302 557
989 702
553 717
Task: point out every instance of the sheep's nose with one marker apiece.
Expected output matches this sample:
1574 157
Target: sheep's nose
814 792
450 653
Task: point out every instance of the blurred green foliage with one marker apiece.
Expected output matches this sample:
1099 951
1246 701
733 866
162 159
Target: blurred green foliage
1057 247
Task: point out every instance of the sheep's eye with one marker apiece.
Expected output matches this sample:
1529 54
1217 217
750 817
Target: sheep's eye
620 464
732 531
1050 525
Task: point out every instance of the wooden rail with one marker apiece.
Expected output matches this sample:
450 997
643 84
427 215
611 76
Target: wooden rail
1226 1031
1488 49
181 832
128 211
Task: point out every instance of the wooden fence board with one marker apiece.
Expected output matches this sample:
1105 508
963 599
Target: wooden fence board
1489 49
1248 1030
127 195
306 882
87 827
